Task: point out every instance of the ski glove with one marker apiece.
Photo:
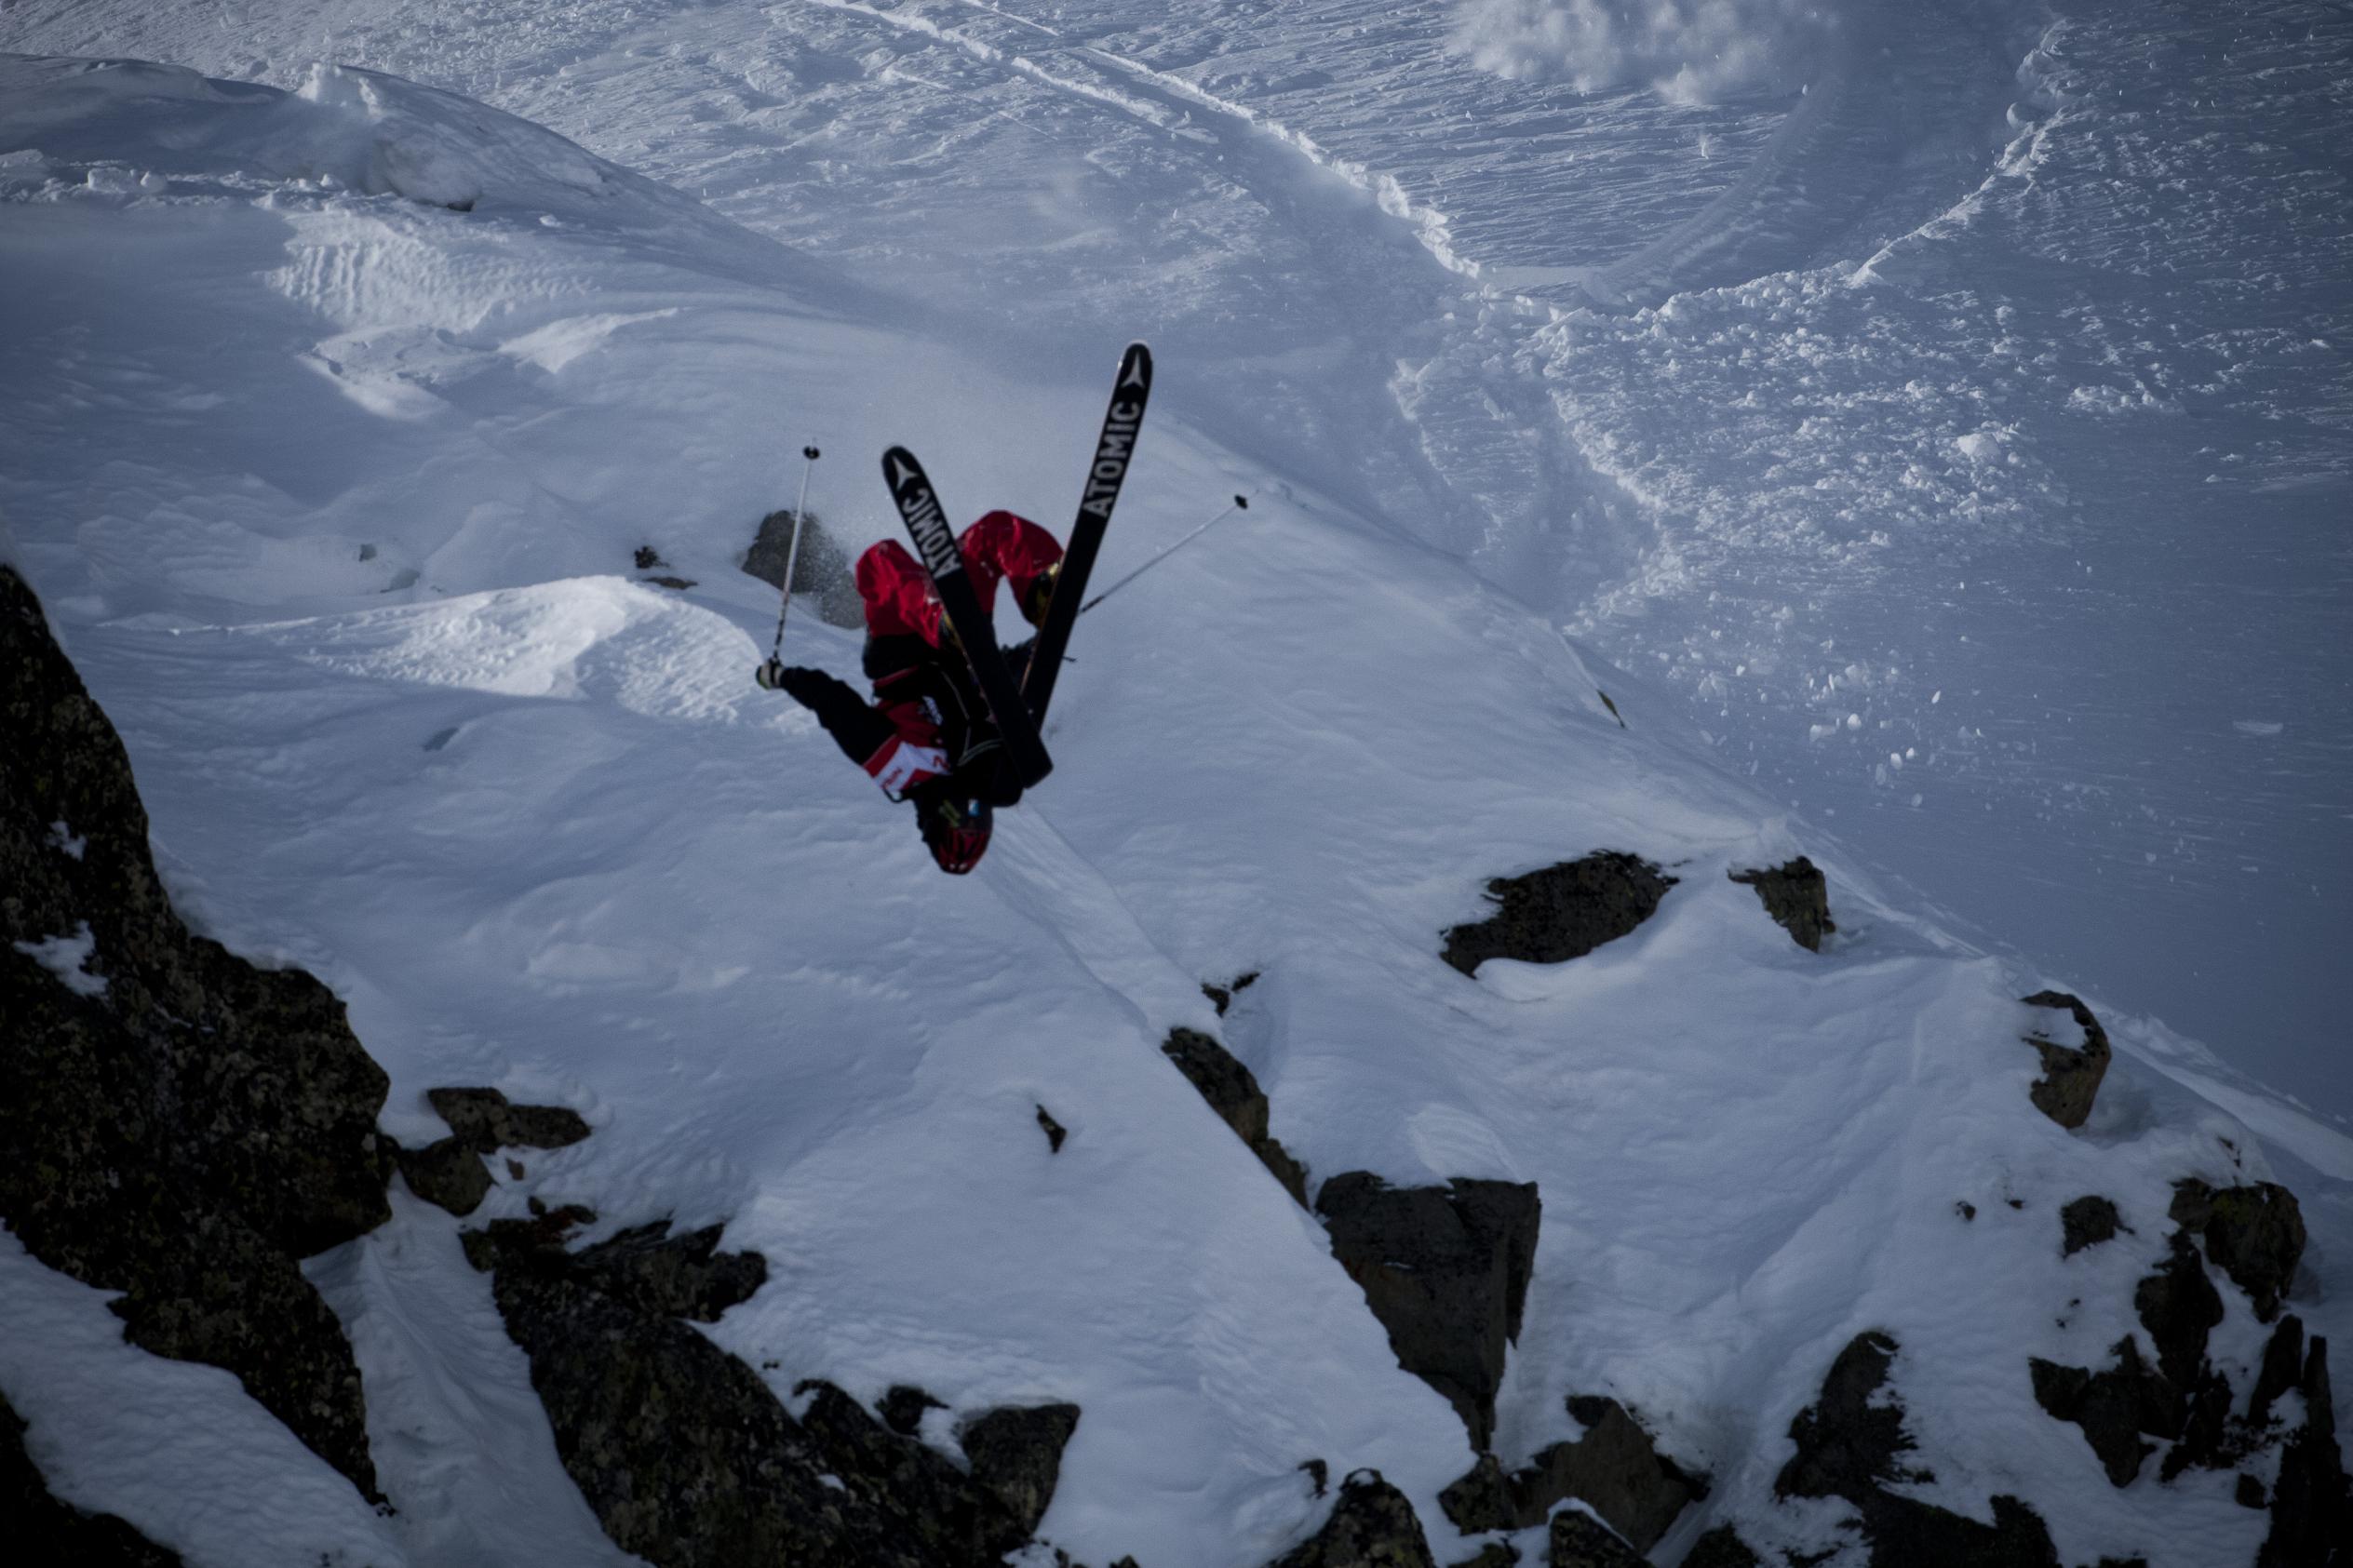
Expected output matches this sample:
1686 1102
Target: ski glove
809 688
1040 595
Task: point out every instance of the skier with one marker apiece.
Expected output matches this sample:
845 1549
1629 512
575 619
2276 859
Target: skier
928 737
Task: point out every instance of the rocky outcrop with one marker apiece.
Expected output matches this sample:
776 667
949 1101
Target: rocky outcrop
1848 1446
1580 1541
2112 1407
1016 1455
44 1530
175 1124
1233 1091
2311 1506
1796 896
823 569
1446 1270
1560 913
2071 1075
2087 1221
1614 1469
1222 997
2254 1234
449 1172
689 1459
1371 1526
1721 1548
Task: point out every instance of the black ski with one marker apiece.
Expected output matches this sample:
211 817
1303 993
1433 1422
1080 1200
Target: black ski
1113 449
935 544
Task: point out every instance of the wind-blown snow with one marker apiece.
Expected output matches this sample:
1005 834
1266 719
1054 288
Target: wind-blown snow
1802 425
1689 50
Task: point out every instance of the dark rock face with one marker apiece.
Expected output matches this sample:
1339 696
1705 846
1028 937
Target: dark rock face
688 1458
2112 1407
41 1529
1016 1455
1495 1554
2311 1504
1233 1091
2070 1075
485 1121
1848 1446
902 1408
448 1173
1560 913
1221 996
175 1124
1372 1526
1446 1270
2087 1221
2283 1369
2254 1234
1614 1469
2179 1307
1721 1548
1798 898
824 568
1577 1541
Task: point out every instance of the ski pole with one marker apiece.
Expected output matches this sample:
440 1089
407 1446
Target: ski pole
792 551
1240 503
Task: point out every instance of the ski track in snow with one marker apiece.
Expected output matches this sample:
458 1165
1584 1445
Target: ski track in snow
1914 361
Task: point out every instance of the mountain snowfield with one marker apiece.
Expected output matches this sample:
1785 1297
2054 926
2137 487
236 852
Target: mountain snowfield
332 407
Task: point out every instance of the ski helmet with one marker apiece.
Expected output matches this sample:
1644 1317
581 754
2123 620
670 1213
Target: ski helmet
956 832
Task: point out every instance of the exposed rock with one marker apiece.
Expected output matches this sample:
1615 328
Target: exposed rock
2249 1493
2282 1370
1233 1091
2311 1508
43 1528
448 1173
2112 1407
1796 897
902 1408
1721 1548
1580 1541
672 1276
1319 1473
1495 1554
1221 996
1016 1453
2179 1307
1372 1526
1848 1444
676 585
2071 1075
824 568
486 1121
689 1459
1614 1469
2254 1234
648 559
1053 1131
175 1124
1561 912
2087 1221
1446 1270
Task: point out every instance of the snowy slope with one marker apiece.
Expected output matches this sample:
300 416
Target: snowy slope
330 487
2052 507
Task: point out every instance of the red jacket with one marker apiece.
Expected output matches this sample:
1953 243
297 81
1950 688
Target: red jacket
928 721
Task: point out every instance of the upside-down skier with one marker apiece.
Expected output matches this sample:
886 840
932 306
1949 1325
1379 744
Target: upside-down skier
928 736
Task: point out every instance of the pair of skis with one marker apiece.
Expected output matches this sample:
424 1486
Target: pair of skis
1019 708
